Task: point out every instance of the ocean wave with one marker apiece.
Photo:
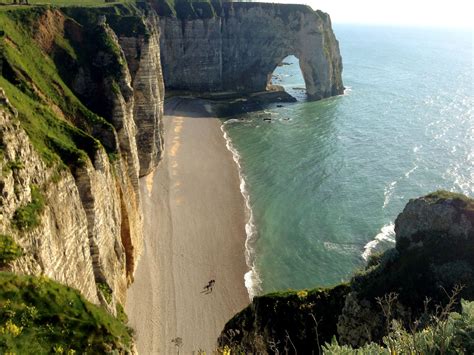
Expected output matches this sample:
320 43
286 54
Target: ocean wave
388 192
251 278
347 90
233 120
408 173
386 234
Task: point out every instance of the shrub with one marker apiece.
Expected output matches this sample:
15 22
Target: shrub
453 335
105 291
9 250
27 217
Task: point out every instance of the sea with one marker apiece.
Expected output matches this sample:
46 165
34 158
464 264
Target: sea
324 181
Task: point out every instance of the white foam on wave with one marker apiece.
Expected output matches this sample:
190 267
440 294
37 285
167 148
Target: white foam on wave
347 90
234 120
251 278
386 234
388 192
409 172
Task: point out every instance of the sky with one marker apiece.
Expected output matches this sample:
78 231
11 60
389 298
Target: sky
431 13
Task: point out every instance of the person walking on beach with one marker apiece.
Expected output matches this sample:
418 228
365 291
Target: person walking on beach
211 285
208 288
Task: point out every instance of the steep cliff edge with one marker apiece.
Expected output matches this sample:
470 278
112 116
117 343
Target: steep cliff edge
434 253
207 47
80 121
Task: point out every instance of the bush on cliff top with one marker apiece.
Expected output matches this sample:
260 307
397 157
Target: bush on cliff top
38 315
452 335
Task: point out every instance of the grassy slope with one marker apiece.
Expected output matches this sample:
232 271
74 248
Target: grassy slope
48 110
70 2
41 316
60 126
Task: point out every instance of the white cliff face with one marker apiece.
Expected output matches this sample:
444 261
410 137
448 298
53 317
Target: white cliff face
89 232
238 50
59 246
143 59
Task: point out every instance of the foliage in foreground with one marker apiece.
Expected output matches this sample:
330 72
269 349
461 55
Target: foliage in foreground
453 334
41 316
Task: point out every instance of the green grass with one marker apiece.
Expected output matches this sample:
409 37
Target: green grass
33 84
9 250
86 3
38 315
62 129
27 216
188 9
105 291
460 200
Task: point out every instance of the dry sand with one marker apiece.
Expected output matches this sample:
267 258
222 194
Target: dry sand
194 232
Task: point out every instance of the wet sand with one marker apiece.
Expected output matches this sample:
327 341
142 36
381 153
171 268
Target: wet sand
194 231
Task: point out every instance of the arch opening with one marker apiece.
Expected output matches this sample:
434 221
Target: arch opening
288 76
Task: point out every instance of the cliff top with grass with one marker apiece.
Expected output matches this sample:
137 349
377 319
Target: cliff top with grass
41 316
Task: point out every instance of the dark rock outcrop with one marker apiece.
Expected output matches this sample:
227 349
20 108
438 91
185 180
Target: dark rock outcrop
239 47
434 253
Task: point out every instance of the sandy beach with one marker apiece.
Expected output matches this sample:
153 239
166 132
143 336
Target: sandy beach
194 232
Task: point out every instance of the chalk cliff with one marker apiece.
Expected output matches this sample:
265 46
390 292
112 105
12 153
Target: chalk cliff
81 117
78 127
236 47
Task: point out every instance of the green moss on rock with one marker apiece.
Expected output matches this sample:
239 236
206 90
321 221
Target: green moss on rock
460 201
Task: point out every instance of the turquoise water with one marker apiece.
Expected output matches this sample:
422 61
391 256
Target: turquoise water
327 179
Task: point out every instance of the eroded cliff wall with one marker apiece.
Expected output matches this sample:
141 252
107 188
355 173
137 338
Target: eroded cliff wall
80 121
236 47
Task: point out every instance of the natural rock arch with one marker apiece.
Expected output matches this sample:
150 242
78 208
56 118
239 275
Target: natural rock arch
240 48
287 76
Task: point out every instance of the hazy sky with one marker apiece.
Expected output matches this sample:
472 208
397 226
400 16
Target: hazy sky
445 13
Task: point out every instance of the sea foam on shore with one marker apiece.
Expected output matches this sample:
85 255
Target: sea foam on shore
251 278
386 234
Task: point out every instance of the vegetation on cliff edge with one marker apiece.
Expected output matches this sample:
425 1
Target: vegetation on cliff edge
38 315
399 293
47 56
453 333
